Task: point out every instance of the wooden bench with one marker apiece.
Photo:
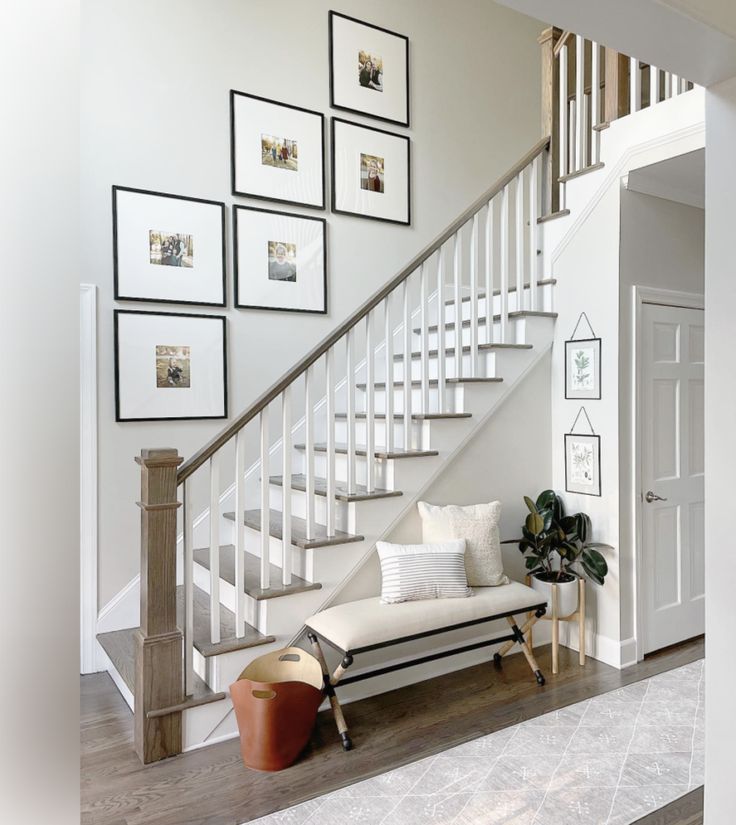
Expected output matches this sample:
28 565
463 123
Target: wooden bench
361 626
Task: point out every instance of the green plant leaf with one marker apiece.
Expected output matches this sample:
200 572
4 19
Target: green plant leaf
530 504
594 561
546 500
582 526
531 562
592 574
568 524
534 523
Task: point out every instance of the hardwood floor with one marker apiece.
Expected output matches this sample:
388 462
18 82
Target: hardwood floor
211 786
688 810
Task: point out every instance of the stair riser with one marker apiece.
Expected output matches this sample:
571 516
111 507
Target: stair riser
417 433
345 511
385 470
516 334
486 366
453 399
544 298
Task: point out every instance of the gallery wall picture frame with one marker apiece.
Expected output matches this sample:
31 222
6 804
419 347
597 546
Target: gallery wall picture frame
371 172
583 460
583 364
369 69
277 151
169 366
279 260
168 249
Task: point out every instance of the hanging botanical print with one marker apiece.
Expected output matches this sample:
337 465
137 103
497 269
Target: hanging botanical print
583 460
583 365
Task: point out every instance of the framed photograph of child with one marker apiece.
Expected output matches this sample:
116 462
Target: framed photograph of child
371 172
169 366
276 151
280 260
369 69
169 249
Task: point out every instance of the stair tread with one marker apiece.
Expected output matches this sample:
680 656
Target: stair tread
299 482
578 172
433 382
377 451
561 213
253 574
512 288
298 530
415 417
399 356
119 645
522 313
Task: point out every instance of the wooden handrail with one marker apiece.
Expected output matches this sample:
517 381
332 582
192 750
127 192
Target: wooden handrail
212 446
564 37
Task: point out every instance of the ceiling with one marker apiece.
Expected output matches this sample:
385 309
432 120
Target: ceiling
680 179
695 39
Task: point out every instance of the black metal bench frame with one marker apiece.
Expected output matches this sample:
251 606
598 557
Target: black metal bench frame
517 636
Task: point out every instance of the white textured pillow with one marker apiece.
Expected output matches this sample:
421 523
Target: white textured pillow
412 572
478 525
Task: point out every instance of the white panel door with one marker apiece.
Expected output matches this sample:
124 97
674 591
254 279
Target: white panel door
672 474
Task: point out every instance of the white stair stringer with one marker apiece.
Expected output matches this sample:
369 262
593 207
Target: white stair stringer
334 566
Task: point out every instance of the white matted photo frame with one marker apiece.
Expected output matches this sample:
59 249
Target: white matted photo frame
583 364
371 172
169 366
277 151
583 460
280 260
369 69
168 249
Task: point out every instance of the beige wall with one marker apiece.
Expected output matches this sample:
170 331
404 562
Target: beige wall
474 111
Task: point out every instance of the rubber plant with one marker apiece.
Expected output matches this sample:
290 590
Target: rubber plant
555 545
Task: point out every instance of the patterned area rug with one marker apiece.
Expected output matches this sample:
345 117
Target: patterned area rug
609 760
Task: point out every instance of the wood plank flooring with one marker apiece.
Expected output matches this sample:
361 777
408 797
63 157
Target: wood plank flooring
211 787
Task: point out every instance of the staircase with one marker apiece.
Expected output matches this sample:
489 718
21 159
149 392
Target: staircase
363 424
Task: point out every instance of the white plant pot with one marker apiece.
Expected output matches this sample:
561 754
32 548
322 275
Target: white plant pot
567 596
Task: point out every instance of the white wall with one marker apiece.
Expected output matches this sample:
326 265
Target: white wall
720 449
662 245
474 111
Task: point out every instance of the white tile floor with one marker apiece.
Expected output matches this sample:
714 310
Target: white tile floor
606 761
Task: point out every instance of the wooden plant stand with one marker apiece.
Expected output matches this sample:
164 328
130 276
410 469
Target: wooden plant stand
578 616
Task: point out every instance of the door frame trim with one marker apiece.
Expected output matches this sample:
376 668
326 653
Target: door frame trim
642 295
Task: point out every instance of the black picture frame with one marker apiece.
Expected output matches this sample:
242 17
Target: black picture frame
330 17
597 440
117 294
116 342
405 138
236 292
570 344
235 191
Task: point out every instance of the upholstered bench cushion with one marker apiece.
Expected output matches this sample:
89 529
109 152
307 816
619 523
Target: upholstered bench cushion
364 623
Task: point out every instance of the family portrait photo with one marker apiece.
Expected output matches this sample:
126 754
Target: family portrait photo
166 249
370 71
172 367
281 261
280 153
371 173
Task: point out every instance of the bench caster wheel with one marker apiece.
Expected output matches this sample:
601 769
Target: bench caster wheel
540 678
347 742
497 659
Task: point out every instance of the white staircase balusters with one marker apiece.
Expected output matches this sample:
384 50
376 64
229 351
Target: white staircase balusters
407 368
441 335
240 534
388 352
265 502
654 97
595 83
635 85
309 449
215 548
519 238
370 406
424 337
350 406
188 524
580 137
330 438
505 207
489 262
563 124
534 188
457 309
473 299
286 485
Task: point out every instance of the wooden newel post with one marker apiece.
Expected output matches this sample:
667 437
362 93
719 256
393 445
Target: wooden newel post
551 115
158 643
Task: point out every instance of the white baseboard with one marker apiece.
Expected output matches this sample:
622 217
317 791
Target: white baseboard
628 652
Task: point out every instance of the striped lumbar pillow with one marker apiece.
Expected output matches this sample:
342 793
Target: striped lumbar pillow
423 571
